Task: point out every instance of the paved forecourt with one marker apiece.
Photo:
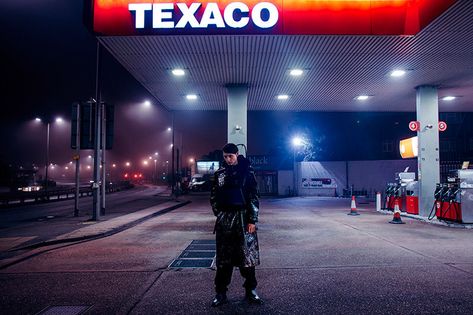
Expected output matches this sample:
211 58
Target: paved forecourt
315 259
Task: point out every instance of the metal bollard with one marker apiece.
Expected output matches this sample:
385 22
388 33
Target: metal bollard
378 201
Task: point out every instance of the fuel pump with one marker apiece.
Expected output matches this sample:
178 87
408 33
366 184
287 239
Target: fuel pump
439 193
451 204
412 197
454 200
387 193
392 192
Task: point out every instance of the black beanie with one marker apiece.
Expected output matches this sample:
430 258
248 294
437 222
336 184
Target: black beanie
230 148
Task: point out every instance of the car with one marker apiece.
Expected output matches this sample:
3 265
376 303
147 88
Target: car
200 182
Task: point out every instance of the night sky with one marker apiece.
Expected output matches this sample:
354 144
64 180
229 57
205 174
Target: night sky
48 62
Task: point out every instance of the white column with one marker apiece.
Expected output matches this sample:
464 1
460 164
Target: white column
237 105
428 157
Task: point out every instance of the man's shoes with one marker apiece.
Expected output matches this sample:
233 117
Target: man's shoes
253 297
220 298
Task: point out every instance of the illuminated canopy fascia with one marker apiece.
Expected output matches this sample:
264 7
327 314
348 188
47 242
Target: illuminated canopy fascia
288 17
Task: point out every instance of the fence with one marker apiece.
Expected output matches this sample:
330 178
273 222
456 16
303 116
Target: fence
55 194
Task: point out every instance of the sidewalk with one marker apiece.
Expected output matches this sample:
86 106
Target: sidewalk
95 229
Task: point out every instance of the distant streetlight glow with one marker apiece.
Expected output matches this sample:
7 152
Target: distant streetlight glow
127 164
169 129
114 165
283 97
296 72
156 153
147 103
397 73
362 97
448 98
37 119
178 72
145 162
59 120
191 160
191 97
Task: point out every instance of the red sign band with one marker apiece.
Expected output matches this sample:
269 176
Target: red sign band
289 17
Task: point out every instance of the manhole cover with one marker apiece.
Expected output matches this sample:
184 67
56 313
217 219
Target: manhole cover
196 254
64 310
201 242
191 263
201 247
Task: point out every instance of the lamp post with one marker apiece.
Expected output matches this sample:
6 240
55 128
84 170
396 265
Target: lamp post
48 128
296 142
155 168
191 162
47 158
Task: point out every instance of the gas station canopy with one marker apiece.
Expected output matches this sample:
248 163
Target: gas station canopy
344 48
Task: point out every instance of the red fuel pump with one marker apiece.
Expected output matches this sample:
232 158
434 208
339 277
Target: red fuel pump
412 197
454 200
449 207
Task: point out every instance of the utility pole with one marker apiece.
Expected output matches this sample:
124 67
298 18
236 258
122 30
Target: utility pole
77 158
104 140
47 160
96 183
172 157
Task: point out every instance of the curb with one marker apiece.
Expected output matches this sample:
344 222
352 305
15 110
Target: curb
103 234
434 221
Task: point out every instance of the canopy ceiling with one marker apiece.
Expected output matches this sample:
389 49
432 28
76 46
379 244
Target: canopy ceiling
337 68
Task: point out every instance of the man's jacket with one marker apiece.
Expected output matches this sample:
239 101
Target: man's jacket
234 201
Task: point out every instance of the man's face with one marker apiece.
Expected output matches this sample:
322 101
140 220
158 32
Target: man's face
230 158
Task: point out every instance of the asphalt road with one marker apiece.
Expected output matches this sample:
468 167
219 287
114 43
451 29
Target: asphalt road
44 221
315 260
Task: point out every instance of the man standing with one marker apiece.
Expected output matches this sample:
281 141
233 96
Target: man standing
234 200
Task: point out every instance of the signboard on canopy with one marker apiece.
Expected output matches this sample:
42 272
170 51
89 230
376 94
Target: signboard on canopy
289 17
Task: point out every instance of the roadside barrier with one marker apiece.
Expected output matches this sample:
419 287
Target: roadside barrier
20 198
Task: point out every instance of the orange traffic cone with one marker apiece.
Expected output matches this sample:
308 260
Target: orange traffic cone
353 207
397 213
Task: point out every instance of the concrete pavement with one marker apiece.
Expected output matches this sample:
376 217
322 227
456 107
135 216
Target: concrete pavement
315 260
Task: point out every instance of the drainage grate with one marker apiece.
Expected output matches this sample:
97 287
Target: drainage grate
201 242
201 247
195 254
64 310
199 254
191 263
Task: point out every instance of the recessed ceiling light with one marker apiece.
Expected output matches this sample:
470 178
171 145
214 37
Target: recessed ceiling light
296 72
397 73
448 98
362 97
191 96
283 97
178 72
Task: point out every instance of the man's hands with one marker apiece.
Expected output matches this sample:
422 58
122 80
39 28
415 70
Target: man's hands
251 228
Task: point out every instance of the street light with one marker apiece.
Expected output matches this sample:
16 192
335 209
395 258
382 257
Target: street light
191 161
296 142
155 174
48 126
